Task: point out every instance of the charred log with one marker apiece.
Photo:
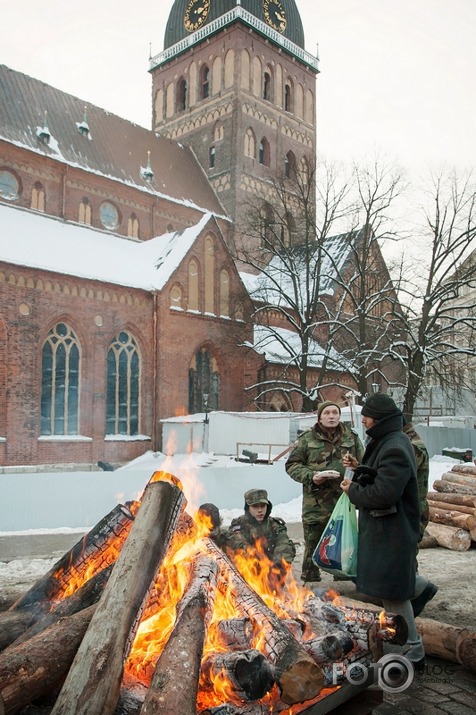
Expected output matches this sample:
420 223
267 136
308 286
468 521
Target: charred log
13 624
248 673
233 633
94 679
184 649
30 669
100 546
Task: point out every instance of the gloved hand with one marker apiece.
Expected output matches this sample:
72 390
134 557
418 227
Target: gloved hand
364 475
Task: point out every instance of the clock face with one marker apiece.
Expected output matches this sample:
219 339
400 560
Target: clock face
274 14
196 14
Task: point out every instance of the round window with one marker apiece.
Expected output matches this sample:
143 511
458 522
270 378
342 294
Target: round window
109 215
9 185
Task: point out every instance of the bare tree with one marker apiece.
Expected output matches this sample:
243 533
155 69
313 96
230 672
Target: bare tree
438 327
318 296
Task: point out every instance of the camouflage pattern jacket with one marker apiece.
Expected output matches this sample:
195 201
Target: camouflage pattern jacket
422 459
269 536
316 451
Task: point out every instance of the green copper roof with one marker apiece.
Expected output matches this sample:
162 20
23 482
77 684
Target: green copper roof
176 31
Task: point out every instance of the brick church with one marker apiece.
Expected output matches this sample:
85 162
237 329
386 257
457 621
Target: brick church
122 301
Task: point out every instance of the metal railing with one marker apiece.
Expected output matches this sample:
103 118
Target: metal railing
238 12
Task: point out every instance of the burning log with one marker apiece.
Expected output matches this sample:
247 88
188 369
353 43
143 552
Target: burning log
94 679
298 676
249 673
96 550
451 537
449 642
329 648
450 488
183 651
233 633
229 709
87 595
30 669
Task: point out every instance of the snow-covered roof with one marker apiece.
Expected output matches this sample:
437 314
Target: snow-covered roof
282 346
112 147
276 281
37 241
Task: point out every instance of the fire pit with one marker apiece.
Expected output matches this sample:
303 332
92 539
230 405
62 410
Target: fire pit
148 615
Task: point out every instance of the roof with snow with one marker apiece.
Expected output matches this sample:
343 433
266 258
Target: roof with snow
111 146
283 347
37 241
276 281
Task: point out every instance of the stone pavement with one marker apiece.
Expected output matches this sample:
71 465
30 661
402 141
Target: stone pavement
442 688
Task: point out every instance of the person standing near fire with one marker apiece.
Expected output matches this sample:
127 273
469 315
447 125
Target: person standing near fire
316 462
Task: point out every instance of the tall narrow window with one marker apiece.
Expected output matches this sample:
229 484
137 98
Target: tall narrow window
290 165
123 381
204 82
250 143
182 98
85 212
192 285
209 277
60 370
38 197
133 226
288 98
267 86
264 152
203 382
224 293
211 157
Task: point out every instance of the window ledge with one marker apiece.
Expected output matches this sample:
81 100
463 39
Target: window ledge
64 438
127 438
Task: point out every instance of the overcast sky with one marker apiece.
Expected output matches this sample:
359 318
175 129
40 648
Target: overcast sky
397 76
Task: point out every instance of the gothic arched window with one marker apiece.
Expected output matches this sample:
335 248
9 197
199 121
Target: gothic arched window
60 374
264 152
38 197
267 94
203 382
182 95
250 143
204 82
290 165
123 386
288 97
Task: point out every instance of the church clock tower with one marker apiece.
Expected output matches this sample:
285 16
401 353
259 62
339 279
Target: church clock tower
235 83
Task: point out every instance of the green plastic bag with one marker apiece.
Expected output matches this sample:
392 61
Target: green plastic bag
336 551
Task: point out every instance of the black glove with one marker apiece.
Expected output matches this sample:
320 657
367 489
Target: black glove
364 475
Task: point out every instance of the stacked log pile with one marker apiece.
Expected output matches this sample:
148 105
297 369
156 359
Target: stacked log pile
452 508
166 623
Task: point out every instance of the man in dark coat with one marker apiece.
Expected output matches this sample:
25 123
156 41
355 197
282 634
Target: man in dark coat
384 489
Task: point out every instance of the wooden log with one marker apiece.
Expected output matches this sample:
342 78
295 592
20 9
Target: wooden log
94 679
460 499
464 479
12 625
451 506
247 675
170 692
93 552
298 676
468 469
31 669
9 596
87 595
131 699
453 643
233 633
329 647
450 537
452 518
450 488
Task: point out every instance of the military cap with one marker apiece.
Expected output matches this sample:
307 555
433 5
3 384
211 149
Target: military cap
256 496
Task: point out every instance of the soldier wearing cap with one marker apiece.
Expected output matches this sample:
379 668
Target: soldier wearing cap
265 534
316 462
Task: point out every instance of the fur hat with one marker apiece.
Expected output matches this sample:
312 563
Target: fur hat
323 405
379 406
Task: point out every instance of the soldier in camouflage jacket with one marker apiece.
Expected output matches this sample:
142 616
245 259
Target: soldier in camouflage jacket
422 459
257 533
316 462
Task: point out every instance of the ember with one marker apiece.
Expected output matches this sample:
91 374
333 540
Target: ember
147 615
